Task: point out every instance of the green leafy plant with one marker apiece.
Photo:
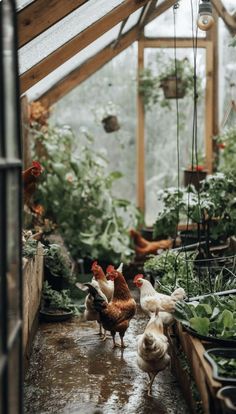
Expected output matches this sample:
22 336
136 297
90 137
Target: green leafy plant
226 366
58 300
212 316
214 206
57 264
77 194
29 248
174 270
226 144
150 84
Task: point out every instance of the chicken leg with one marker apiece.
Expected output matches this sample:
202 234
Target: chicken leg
151 377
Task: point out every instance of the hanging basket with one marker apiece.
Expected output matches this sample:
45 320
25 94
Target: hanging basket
173 88
110 123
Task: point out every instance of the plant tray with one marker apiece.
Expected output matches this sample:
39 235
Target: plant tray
221 352
55 315
212 339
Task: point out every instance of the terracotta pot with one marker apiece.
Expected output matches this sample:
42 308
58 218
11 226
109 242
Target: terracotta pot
110 123
171 90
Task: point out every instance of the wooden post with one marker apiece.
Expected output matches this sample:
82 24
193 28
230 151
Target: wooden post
209 105
212 35
140 160
27 160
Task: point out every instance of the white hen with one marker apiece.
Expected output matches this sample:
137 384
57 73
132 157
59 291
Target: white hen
150 298
152 350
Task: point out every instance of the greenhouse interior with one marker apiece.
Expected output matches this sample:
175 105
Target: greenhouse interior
118 258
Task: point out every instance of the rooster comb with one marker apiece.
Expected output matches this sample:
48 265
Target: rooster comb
139 276
37 165
110 269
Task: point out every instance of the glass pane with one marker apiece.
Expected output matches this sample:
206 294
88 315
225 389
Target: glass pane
227 78
132 20
63 31
164 24
9 82
13 263
115 82
229 5
14 379
160 133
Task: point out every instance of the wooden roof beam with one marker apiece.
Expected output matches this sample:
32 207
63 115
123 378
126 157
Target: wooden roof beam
39 15
229 19
160 9
87 69
77 43
148 10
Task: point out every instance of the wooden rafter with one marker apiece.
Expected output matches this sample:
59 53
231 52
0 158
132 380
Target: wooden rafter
148 10
77 43
85 70
39 15
229 19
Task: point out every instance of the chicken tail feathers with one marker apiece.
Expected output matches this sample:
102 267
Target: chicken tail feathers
153 345
99 301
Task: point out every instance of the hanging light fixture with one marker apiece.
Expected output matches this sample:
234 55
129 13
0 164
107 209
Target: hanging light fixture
205 19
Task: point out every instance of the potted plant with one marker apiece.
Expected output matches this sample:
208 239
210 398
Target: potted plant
211 318
176 78
56 306
223 363
226 146
107 115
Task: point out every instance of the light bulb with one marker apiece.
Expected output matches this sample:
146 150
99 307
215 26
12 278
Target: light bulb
205 19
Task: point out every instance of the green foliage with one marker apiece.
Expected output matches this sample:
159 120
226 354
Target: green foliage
150 84
226 366
57 263
77 195
212 315
58 300
215 203
175 270
226 143
29 248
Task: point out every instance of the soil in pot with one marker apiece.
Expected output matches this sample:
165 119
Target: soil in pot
110 123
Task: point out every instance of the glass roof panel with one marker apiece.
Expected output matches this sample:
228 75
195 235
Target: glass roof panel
230 5
20 4
132 20
163 26
50 80
63 31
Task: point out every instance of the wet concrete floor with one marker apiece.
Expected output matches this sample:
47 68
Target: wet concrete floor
73 372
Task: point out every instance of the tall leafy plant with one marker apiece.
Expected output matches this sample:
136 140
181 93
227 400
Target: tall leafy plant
77 194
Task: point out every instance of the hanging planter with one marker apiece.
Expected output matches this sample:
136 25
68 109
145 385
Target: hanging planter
194 176
173 88
111 123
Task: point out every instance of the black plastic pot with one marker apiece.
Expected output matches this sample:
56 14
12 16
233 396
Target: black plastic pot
194 178
55 315
227 397
224 353
213 339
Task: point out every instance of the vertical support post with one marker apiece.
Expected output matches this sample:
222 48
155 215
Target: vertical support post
140 158
212 36
25 132
209 105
